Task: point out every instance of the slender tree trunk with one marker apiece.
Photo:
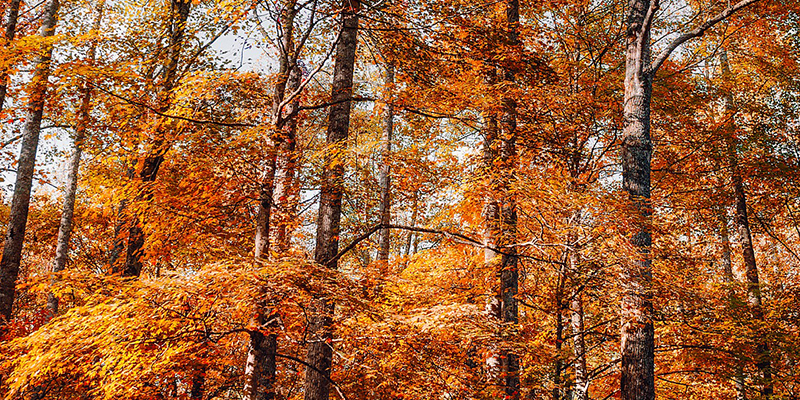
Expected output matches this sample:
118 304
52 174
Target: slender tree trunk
18 215
414 214
385 177
637 336
319 357
148 167
285 197
260 370
581 387
12 15
68 212
742 225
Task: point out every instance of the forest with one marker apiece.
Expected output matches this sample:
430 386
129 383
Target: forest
400 199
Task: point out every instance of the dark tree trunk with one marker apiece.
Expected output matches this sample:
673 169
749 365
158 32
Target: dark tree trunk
68 211
18 215
385 174
148 167
198 386
317 379
12 15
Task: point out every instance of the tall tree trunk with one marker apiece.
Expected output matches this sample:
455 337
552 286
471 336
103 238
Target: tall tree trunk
68 210
319 356
18 215
501 214
149 165
637 336
742 224
385 177
12 15
261 367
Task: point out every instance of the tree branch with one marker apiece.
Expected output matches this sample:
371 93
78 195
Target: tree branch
697 32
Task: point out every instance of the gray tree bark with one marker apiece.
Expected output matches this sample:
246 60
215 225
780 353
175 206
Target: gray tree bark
637 380
18 215
319 356
68 209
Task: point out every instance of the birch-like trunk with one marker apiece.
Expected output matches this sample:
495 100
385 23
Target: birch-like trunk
12 15
319 356
581 386
18 215
68 209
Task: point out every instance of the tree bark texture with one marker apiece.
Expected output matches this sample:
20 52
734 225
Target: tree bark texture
68 209
385 173
12 15
18 215
637 336
149 165
319 356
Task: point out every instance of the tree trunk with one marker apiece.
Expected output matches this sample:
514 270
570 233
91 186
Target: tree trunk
742 225
68 211
285 196
261 367
581 386
149 165
385 178
18 215
198 384
319 357
637 341
12 15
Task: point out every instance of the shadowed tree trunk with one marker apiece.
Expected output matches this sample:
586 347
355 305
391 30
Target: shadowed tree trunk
12 15
18 215
319 356
68 211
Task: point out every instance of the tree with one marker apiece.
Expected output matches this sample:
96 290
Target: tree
18 216
637 341
320 352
